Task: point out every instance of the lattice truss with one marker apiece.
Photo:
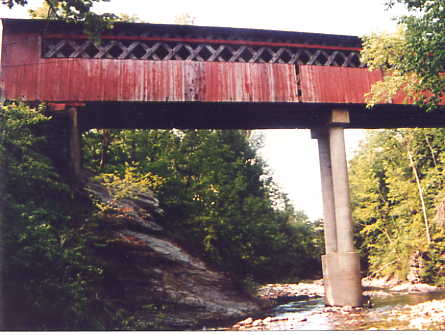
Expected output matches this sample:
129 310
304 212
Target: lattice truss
160 50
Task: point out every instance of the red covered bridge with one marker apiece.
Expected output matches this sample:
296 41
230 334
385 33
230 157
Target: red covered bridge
165 76
170 76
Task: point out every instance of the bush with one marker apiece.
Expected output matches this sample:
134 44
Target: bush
47 273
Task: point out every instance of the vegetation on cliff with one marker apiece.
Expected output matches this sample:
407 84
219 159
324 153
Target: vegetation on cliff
46 270
218 199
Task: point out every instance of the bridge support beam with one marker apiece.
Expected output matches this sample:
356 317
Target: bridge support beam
75 150
341 264
327 191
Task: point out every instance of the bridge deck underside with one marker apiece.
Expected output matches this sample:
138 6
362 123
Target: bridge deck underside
195 115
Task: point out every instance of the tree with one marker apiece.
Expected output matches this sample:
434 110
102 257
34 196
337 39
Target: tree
42 12
218 199
184 18
72 11
397 187
43 240
413 58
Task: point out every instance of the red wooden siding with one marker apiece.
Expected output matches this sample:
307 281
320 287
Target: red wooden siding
32 78
25 74
331 84
400 98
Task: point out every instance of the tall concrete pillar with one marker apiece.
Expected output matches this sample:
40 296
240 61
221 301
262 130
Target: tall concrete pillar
75 153
341 264
327 191
343 210
344 266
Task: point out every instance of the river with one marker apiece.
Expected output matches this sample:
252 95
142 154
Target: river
400 310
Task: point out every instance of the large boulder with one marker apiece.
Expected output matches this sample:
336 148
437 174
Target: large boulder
148 273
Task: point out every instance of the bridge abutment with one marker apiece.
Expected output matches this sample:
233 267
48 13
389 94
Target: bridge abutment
75 150
341 264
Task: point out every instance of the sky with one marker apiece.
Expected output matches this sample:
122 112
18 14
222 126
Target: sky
291 155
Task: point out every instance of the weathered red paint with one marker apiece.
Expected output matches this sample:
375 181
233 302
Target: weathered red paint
24 74
127 80
332 84
402 99
28 76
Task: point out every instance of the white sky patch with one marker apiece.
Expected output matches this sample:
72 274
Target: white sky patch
291 154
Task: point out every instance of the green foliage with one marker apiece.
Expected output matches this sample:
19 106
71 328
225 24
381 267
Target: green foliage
184 18
413 58
45 271
217 197
42 12
128 185
433 270
219 201
384 52
129 18
389 202
72 11
51 276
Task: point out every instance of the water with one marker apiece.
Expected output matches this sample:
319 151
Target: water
309 309
375 317
378 317
311 314
403 299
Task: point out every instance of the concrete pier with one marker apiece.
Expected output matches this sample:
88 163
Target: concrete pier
341 264
327 189
343 211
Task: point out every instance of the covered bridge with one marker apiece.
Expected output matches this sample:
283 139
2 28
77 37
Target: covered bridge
165 76
171 76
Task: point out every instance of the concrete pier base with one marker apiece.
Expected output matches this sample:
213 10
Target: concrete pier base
342 280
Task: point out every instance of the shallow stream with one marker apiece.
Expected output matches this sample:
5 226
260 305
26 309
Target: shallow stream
311 314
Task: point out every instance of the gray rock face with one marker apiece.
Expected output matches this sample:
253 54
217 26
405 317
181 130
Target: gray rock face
148 269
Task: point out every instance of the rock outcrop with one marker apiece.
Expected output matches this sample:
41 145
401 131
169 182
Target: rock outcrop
153 276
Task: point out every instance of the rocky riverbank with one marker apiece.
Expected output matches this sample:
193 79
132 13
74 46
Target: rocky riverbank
149 274
281 293
426 315
310 289
145 268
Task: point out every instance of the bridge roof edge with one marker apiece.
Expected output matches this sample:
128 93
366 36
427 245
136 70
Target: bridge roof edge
243 33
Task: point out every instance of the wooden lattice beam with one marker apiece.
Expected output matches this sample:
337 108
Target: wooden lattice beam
199 49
